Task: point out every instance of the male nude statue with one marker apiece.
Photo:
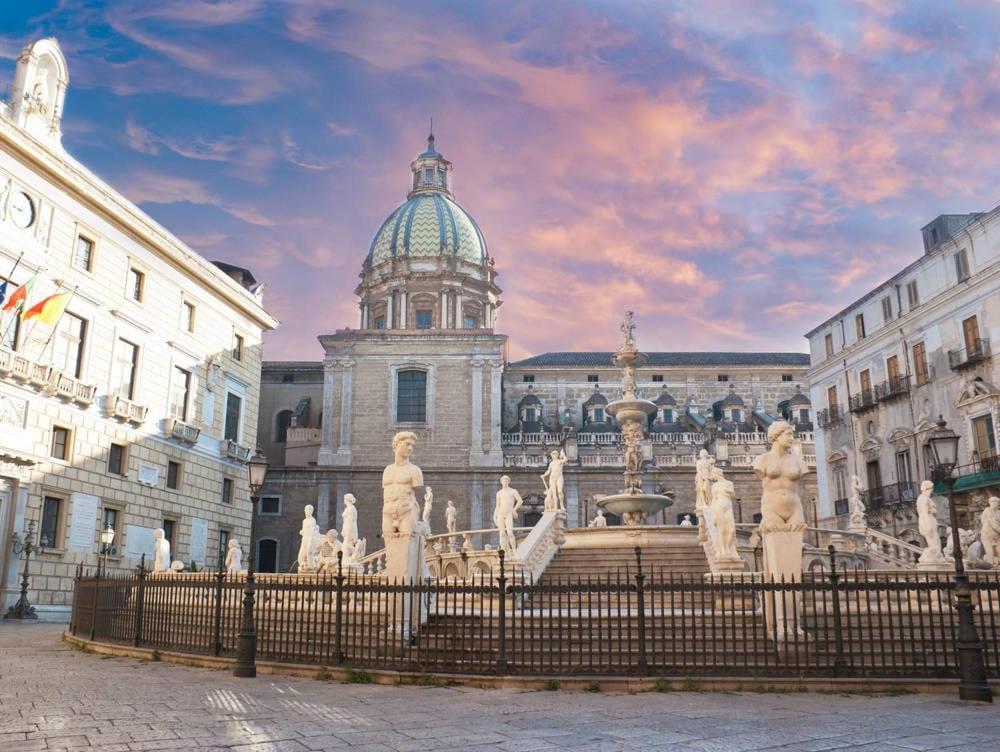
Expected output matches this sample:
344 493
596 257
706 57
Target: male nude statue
400 511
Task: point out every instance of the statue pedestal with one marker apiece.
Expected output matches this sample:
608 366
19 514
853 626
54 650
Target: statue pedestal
404 565
782 562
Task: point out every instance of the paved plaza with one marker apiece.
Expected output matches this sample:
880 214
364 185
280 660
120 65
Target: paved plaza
54 697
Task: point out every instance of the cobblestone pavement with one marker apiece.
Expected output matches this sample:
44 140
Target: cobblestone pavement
53 697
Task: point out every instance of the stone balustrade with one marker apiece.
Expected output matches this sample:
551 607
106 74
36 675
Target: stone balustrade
231 450
116 406
20 369
297 435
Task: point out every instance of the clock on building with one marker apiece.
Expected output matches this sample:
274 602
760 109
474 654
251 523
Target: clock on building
22 210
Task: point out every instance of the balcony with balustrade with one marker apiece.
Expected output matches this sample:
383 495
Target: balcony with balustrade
976 352
830 417
19 369
893 501
120 408
863 400
890 389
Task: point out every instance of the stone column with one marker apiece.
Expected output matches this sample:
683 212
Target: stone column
459 318
403 312
487 315
442 310
388 310
364 316
12 585
476 435
572 500
323 506
346 412
326 447
496 413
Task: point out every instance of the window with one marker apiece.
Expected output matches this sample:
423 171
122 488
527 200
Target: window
804 415
288 378
380 322
723 377
737 416
124 370
962 265
428 174
234 406
223 545
887 308
904 468
267 555
180 391
657 378
135 285
227 490
83 253
828 344
983 437
109 518
168 532
865 380
912 294
173 475
934 236
920 369
187 316
529 415
48 535
270 505
68 342
528 378
238 343
117 464
892 371
425 319
282 423
411 396
593 378
970 332
668 415
60 443
831 398
859 325
786 377
470 322
598 414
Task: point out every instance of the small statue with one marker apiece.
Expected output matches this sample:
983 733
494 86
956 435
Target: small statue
508 502
686 521
161 551
723 492
553 478
428 506
628 333
857 507
927 522
600 520
451 517
234 557
309 532
703 479
349 524
989 532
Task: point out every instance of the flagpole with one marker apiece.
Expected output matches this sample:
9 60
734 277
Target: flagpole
55 326
11 274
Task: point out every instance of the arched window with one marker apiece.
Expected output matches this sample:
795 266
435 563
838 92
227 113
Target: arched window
281 423
411 396
267 555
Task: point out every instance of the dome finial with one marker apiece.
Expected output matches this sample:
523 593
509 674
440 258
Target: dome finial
430 137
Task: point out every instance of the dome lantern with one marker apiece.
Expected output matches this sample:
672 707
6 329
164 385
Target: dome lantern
431 171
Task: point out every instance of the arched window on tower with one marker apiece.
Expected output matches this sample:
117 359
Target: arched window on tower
411 396
282 421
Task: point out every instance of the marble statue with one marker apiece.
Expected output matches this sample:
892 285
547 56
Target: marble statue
349 524
600 520
161 551
451 517
326 559
975 556
428 506
703 479
857 507
723 493
628 333
779 470
552 478
686 522
309 532
400 512
234 557
927 522
967 537
989 532
508 502
632 438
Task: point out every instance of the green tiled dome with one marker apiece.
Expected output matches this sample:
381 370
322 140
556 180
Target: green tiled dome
428 224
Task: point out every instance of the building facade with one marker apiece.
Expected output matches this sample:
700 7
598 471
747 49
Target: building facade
914 349
427 356
137 406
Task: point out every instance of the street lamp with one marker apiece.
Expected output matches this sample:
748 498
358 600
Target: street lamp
107 538
246 655
943 443
23 609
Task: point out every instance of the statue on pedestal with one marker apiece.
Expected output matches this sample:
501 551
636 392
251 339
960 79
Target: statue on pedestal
723 493
161 551
326 559
400 512
552 479
349 524
234 557
428 506
451 517
508 502
686 521
927 522
857 507
309 532
703 479
600 520
989 532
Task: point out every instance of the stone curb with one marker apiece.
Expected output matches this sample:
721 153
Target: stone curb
596 683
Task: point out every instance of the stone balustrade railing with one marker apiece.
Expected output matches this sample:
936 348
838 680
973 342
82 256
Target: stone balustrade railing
870 545
697 439
598 439
674 460
525 460
536 550
297 435
20 369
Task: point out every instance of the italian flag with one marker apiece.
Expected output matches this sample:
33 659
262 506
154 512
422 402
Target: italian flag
19 297
49 310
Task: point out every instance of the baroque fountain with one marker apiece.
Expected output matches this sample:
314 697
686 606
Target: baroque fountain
632 414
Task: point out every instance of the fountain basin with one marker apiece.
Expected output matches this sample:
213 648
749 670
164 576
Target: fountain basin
633 508
634 410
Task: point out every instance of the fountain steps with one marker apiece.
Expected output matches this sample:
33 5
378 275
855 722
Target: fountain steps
678 558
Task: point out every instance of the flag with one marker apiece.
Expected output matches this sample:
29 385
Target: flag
49 310
3 291
20 295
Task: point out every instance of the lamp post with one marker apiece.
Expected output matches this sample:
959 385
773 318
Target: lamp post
23 609
972 685
107 538
246 655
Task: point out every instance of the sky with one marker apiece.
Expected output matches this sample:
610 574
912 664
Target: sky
734 172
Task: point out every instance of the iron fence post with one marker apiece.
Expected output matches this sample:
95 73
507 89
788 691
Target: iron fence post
140 602
641 601
502 628
220 576
338 651
93 607
839 664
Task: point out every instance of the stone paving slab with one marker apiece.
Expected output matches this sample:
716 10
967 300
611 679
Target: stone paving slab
53 697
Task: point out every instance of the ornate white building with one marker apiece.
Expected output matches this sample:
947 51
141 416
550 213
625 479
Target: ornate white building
138 408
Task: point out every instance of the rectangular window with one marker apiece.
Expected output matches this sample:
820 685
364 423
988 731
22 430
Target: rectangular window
962 265
60 443
828 344
83 253
737 416
68 344
51 514
173 475
223 546
786 377
983 437
470 322
920 369
593 378
187 316
238 343
411 396
116 459
425 319
180 390
234 408
873 472
912 294
125 368
859 325
270 505
380 322
109 518
887 308
135 286
970 332
657 378
227 490
904 468
865 380
528 378
804 415
831 398
598 414
723 377
168 532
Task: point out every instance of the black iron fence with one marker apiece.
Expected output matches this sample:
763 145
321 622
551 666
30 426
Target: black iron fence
631 622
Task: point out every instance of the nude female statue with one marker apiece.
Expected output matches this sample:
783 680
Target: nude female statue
703 479
234 557
161 551
779 470
723 492
309 533
927 522
400 511
989 531
349 524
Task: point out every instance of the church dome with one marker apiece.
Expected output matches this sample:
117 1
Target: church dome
429 223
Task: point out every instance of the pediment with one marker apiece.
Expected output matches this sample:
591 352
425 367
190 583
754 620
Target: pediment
871 447
976 391
900 435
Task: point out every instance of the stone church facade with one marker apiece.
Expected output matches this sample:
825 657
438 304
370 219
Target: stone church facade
426 357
